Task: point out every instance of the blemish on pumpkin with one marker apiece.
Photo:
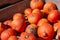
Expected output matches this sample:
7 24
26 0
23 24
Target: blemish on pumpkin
33 30
45 34
26 36
49 9
32 16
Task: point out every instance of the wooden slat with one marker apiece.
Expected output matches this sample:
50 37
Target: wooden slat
27 2
8 12
4 2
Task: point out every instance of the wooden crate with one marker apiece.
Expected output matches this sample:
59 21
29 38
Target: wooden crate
8 12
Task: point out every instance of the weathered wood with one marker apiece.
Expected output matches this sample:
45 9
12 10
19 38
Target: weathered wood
7 13
4 2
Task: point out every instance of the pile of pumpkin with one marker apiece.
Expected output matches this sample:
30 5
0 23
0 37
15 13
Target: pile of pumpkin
39 22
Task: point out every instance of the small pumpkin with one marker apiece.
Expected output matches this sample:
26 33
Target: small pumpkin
48 7
7 33
56 26
27 11
53 16
36 4
27 36
31 28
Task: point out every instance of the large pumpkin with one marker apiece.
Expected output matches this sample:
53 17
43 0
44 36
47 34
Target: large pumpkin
45 31
7 33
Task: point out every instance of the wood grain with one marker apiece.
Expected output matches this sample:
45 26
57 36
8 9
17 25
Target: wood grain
4 2
8 12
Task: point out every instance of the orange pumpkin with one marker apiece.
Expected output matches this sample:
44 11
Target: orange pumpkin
45 31
18 22
7 33
36 4
48 7
56 26
38 12
41 21
12 38
27 11
18 16
27 36
35 16
32 28
53 16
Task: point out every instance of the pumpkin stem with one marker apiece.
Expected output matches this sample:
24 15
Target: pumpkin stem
49 9
18 37
26 17
45 34
42 10
26 36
